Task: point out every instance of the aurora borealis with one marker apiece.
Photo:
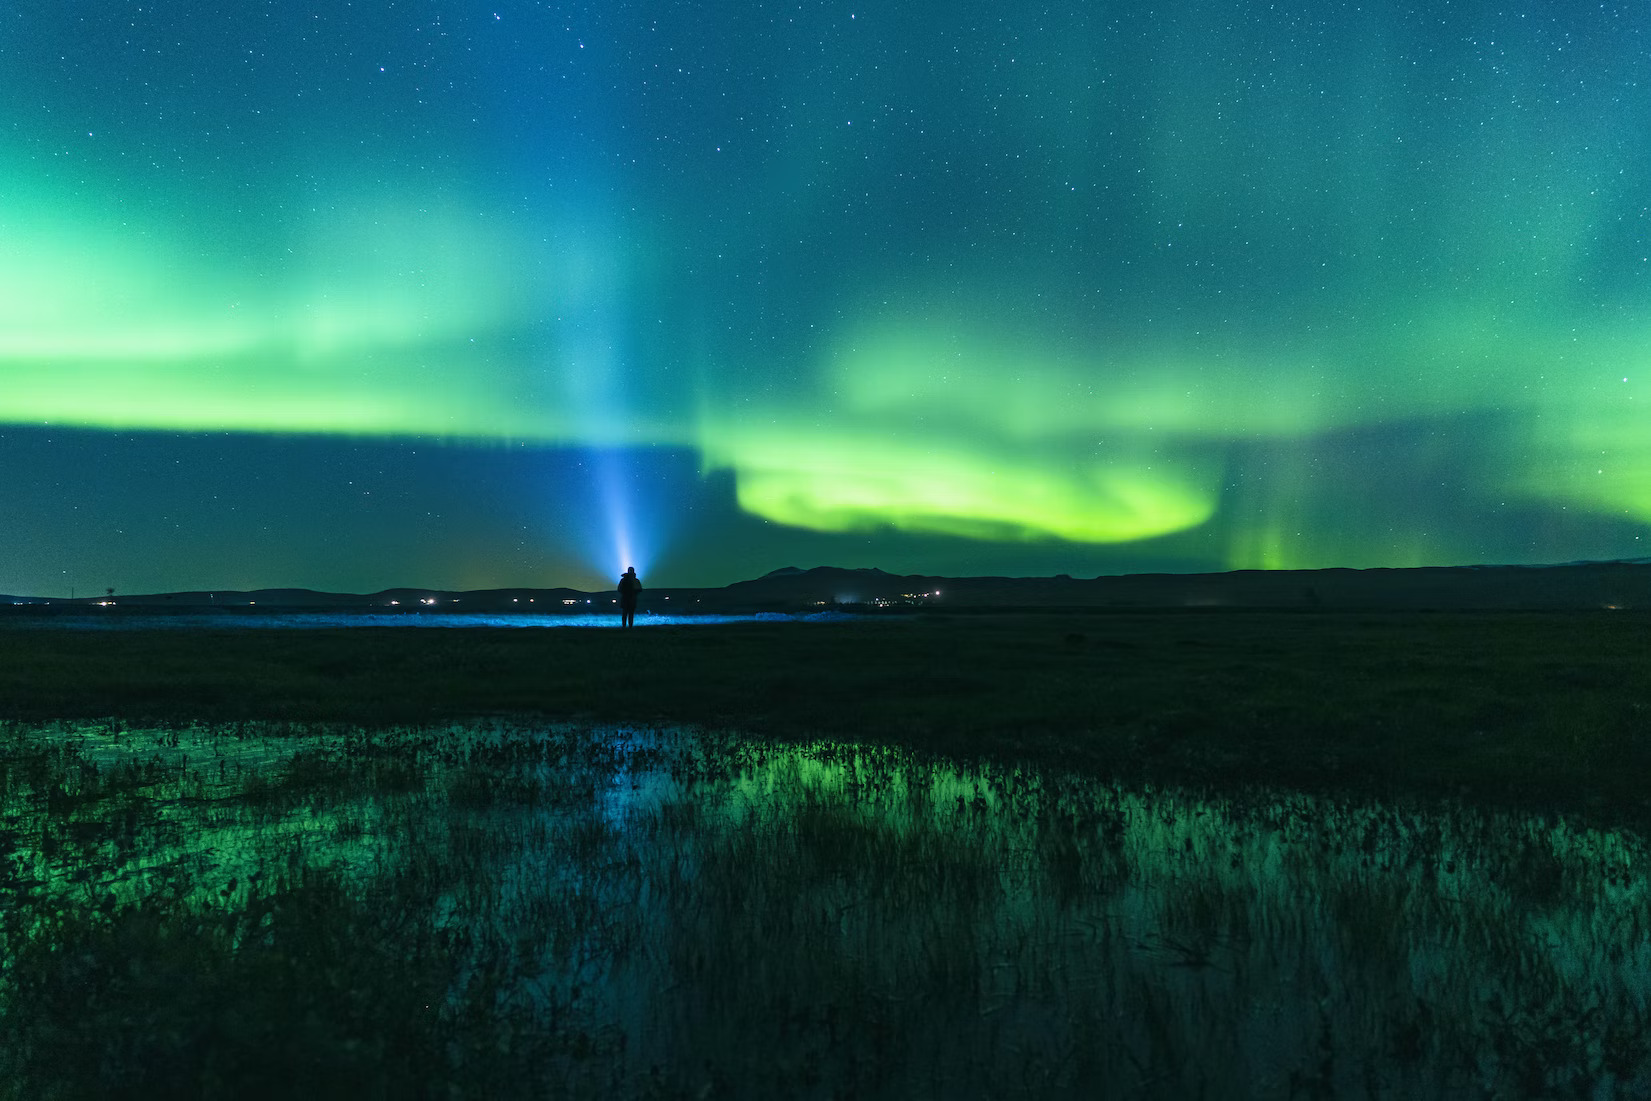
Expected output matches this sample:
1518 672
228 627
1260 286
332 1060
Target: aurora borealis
425 292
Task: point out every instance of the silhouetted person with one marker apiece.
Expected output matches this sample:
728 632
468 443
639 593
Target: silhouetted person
629 586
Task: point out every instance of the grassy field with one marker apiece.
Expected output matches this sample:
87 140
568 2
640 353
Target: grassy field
1545 710
515 910
503 863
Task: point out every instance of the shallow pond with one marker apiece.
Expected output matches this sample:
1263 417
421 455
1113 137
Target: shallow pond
298 621
526 909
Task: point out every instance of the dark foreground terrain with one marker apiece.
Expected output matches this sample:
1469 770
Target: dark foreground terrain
1544 710
1220 855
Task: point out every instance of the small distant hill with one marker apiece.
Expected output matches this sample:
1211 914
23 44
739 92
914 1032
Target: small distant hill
1574 585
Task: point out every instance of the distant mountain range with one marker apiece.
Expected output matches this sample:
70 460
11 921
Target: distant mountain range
1623 584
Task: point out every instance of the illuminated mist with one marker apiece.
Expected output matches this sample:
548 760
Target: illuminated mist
959 287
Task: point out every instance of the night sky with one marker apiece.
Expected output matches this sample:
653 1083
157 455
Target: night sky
417 292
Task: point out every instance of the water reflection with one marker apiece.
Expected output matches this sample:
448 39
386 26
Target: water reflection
279 620
646 913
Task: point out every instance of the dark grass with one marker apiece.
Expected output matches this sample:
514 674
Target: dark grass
444 913
1532 709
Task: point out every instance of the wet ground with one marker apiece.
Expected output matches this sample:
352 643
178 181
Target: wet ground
127 621
514 909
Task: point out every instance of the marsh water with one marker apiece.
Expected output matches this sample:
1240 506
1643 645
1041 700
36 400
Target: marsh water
526 910
33 618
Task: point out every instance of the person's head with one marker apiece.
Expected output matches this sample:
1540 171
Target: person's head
630 571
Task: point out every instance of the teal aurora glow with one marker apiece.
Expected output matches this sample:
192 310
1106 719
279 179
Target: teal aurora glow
439 293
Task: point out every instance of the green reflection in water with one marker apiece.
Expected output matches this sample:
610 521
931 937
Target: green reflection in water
617 913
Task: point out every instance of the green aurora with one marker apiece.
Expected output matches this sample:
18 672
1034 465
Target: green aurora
1096 275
